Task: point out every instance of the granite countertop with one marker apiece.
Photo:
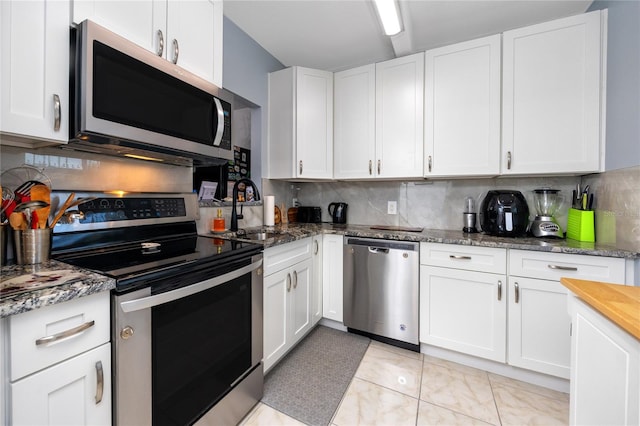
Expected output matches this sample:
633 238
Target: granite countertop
27 287
618 303
295 231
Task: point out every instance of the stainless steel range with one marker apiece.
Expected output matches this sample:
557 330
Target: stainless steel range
186 311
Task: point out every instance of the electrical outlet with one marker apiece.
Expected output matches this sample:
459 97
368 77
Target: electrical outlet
392 207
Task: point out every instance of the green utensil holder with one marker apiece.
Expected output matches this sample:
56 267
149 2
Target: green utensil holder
580 225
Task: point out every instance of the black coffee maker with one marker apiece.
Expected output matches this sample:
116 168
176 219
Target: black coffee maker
338 213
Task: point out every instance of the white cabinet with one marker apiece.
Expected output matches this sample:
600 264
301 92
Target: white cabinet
287 298
400 117
34 87
463 308
60 363
316 288
605 370
538 322
332 260
552 97
300 124
462 109
188 33
355 123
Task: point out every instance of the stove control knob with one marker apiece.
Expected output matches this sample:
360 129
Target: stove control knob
126 332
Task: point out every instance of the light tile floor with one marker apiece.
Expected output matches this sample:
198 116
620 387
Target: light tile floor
393 386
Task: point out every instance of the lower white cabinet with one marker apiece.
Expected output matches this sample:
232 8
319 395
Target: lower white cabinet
287 298
605 370
332 252
74 392
316 288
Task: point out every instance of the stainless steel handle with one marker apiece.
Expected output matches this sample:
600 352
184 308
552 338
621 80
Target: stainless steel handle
295 279
429 162
169 296
288 282
176 51
517 293
160 50
220 129
56 112
65 334
300 166
499 290
378 250
99 382
508 160
459 257
562 268
370 167
315 247
379 167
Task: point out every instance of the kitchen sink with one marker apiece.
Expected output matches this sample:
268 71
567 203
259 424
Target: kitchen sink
257 235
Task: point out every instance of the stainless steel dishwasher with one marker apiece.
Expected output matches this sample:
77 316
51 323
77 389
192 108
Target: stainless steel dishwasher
381 281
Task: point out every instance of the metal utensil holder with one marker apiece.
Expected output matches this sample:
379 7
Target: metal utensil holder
32 246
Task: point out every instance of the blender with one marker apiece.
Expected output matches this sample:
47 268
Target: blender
547 203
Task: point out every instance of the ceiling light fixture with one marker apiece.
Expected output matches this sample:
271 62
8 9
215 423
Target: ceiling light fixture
389 15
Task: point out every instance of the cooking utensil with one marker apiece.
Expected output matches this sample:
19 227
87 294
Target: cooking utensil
18 221
27 208
41 192
64 208
8 203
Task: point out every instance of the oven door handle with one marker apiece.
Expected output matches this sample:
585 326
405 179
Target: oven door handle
169 296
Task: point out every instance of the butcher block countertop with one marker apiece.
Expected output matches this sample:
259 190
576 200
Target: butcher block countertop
619 303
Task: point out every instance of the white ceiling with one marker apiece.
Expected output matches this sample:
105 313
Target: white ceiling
334 35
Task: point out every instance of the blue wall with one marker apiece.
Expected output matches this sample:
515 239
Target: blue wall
245 68
623 83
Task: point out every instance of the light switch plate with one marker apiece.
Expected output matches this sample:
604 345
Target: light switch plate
392 207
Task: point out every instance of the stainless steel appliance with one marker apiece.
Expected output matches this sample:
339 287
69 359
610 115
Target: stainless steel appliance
338 213
548 202
131 102
381 290
504 213
186 312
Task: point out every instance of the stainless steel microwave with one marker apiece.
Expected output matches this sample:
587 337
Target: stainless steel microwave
127 101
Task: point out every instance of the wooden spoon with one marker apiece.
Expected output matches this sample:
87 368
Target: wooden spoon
18 221
42 193
63 209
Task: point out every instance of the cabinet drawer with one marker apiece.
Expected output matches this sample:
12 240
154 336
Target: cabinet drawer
74 317
482 259
553 266
280 257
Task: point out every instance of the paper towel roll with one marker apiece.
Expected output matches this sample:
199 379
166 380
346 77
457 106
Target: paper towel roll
268 203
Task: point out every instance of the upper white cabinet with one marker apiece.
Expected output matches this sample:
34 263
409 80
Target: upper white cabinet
462 109
34 88
552 97
355 123
400 117
300 142
188 33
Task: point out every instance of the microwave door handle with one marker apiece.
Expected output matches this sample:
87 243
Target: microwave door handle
170 296
220 129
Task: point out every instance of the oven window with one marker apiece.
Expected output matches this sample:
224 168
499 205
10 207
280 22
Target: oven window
131 92
201 345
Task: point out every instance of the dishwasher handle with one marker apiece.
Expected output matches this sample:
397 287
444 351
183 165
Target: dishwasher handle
378 250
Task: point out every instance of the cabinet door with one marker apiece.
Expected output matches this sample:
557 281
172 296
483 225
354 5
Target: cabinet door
316 285
552 97
194 37
300 296
74 392
462 109
276 320
314 123
354 127
34 89
464 311
332 255
138 21
399 117
539 326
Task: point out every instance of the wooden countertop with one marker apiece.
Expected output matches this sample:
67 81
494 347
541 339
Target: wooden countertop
619 303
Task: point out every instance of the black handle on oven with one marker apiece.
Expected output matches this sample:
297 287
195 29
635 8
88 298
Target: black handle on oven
169 296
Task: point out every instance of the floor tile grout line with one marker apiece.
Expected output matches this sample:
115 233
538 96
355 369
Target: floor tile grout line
495 403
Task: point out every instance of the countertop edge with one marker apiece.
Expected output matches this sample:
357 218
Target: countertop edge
618 303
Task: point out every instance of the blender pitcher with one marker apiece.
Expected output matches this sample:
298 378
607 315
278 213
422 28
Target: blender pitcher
547 202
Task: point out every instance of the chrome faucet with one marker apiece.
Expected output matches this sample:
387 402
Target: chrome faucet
234 214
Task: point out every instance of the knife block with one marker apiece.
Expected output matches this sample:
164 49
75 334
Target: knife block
580 225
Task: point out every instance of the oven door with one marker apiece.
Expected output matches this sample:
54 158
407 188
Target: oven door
182 344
